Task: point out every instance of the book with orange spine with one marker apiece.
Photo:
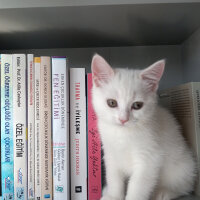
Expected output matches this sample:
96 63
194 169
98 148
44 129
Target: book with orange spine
37 63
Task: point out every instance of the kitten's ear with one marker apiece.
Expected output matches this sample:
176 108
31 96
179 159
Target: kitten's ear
101 70
153 74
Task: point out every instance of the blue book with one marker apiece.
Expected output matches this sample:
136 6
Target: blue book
7 164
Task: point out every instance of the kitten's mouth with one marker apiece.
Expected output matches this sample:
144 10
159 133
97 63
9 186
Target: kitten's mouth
128 123
123 124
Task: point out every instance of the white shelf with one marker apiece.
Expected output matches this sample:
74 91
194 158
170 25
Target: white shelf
63 3
151 30
189 198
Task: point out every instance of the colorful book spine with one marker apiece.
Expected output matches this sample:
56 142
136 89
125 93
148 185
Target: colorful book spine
0 143
7 163
31 127
45 129
60 120
37 63
19 126
78 134
94 148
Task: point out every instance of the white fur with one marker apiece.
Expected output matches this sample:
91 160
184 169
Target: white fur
148 150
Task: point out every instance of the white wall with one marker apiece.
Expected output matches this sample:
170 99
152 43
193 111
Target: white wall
132 57
191 58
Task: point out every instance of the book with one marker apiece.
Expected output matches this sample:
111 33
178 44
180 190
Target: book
7 163
31 126
19 126
37 62
45 129
60 125
184 102
78 134
0 144
94 148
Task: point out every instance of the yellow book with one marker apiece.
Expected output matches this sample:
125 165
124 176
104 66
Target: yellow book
37 63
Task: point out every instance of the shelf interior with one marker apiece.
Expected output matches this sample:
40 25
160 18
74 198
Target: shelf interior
129 33
182 61
63 3
189 198
98 26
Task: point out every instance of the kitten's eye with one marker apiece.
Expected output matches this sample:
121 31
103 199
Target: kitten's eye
112 103
137 105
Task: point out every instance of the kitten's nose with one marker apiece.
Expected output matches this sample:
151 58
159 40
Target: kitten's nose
123 121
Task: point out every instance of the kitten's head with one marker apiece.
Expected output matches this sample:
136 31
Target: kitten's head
123 96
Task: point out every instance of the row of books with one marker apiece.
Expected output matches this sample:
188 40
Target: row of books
50 145
49 150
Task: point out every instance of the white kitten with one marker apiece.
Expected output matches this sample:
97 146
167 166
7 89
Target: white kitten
141 141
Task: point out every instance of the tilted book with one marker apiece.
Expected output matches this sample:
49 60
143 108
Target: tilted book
31 126
184 102
7 163
19 126
45 128
78 134
37 62
60 125
94 147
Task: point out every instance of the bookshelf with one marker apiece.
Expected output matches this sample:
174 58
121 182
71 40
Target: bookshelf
189 198
128 33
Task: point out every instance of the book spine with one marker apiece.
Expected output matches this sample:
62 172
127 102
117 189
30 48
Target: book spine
0 140
37 62
60 120
7 163
78 134
31 127
19 126
196 104
94 148
45 126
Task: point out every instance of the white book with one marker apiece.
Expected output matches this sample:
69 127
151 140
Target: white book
45 128
31 126
19 126
78 134
37 129
60 121
184 102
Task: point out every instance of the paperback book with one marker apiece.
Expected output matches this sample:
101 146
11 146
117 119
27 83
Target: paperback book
94 148
78 134
45 129
37 62
31 126
19 126
7 163
60 120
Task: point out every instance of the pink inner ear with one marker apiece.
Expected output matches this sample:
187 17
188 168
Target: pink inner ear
101 70
153 74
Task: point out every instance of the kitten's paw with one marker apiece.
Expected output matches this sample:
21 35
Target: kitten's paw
165 195
110 198
162 196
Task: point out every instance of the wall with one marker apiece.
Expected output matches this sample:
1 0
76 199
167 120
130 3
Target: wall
191 58
137 57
